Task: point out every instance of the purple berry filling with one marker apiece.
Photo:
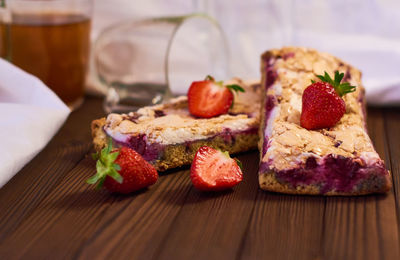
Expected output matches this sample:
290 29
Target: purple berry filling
134 117
229 136
159 113
270 101
269 105
270 73
154 151
334 173
149 151
288 55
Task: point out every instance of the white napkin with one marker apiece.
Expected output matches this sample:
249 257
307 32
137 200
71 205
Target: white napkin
362 33
30 115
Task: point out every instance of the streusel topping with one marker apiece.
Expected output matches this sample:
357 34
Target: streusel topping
291 144
171 123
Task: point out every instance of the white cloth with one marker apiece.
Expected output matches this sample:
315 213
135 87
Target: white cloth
30 115
364 33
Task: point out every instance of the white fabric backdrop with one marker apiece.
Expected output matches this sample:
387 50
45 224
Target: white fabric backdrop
365 33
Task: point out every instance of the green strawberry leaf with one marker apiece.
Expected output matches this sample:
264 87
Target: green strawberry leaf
208 77
112 157
100 184
95 156
117 167
239 163
106 166
93 179
340 88
338 78
236 88
115 175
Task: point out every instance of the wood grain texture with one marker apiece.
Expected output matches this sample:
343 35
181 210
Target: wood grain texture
138 231
392 133
284 227
34 182
357 228
48 211
211 225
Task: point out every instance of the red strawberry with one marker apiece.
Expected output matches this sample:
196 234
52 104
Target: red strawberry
214 170
209 98
322 103
123 170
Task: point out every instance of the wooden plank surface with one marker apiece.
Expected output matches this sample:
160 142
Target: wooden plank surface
48 211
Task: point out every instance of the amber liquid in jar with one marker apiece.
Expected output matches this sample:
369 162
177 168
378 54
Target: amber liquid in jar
3 40
53 47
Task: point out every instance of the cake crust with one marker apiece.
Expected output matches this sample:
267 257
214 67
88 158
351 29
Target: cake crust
298 161
168 136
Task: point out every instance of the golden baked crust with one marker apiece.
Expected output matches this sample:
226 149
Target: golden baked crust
179 155
269 182
98 135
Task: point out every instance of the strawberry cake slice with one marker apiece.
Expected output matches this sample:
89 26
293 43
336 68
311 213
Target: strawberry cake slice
321 154
168 135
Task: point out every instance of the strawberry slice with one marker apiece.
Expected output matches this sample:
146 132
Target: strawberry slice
323 105
209 98
214 170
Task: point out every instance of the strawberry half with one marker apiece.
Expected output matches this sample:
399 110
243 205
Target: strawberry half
323 106
122 170
209 98
214 170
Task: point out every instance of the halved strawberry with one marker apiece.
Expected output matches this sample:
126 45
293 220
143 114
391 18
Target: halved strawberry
322 103
122 170
214 170
209 98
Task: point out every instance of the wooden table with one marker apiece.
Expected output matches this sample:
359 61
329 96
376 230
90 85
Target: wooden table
48 211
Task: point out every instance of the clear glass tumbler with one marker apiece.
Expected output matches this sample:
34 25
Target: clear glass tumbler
142 62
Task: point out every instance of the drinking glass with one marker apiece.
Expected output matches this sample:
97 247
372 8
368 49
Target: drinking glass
141 62
49 39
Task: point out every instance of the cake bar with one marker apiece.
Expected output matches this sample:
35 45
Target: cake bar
167 136
337 161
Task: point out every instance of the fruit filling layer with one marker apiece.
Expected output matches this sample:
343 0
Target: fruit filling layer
333 158
332 173
151 151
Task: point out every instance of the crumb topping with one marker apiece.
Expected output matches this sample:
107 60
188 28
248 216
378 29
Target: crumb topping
172 123
290 144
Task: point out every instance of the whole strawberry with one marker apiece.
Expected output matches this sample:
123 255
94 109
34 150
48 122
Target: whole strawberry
323 106
122 170
214 170
209 98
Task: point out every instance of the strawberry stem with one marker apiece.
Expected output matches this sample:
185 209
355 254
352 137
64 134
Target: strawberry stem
105 166
340 88
208 77
239 163
235 87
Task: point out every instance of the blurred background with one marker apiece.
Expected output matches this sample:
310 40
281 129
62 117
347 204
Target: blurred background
138 60
365 33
